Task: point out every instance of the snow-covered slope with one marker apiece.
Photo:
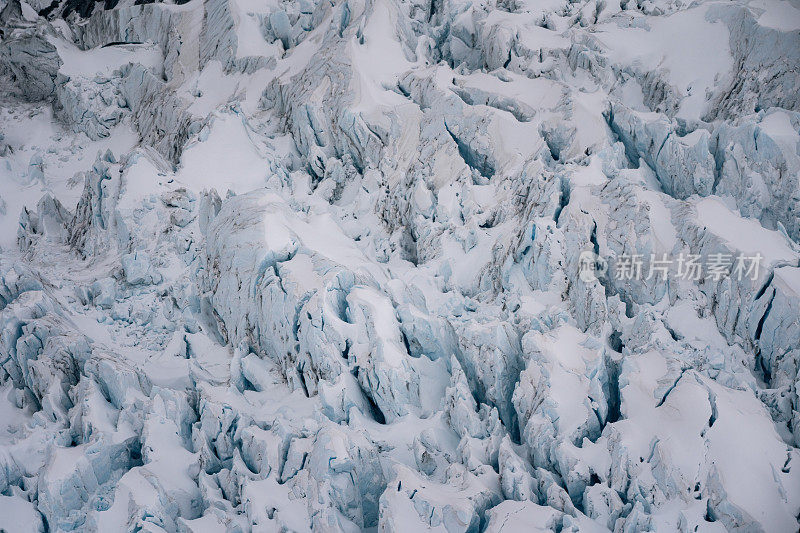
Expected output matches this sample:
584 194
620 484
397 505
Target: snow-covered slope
320 265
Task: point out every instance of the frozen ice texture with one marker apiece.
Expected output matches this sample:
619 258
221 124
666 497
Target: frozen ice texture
316 266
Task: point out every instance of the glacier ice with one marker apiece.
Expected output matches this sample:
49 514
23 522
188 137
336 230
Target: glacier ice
316 266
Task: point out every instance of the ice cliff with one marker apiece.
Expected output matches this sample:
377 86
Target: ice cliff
308 265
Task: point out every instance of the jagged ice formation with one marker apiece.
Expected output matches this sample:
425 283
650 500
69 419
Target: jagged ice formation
309 265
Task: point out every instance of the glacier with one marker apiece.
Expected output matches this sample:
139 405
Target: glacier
304 265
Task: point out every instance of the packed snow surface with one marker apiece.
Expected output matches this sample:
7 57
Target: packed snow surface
319 265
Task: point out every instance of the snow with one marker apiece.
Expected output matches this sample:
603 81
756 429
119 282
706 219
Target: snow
320 266
692 51
19 516
250 41
782 15
378 59
208 163
104 60
32 132
748 236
